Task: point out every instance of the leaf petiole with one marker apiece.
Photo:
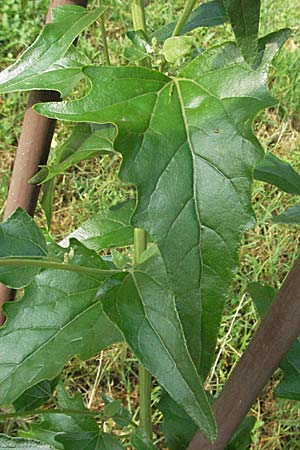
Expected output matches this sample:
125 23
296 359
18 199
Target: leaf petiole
186 12
45 263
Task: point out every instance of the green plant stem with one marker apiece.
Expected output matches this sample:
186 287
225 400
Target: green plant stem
138 15
104 37
48 264
186 12
35 412
104 41
140 245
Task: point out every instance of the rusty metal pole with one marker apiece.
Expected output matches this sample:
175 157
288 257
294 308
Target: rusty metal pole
273 338
32 151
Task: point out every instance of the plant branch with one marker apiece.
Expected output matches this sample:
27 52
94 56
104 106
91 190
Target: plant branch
273 338
140 244
35 412
182 20
104 40
50 264
138 15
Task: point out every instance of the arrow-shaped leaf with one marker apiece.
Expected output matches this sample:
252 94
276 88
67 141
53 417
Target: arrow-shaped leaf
46 64
143 308
187 143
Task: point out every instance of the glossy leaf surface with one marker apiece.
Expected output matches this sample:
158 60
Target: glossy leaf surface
279 173
58 317
46 64
107 229
289 387
20 236
208 14
7 443
143 308
244 18
289 217
36 396
187 143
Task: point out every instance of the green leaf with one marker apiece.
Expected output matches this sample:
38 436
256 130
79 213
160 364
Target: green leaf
141 441
7 443
36 396
107 229
58 317
241 439
289 387
112 408
142 46
46 63
102 442
178 429
20 236
67 426
188 145
262 297
279 173
86 141
143 308
123 417
244 18
208 14
289 217
176 48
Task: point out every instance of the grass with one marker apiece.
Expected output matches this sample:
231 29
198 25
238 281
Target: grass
268 250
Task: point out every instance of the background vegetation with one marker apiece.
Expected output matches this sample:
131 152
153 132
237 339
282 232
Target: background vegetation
268 250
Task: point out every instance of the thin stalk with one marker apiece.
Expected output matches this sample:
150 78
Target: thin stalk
48 264
140 245
138 15
186 12
104 41
104 38
38 412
